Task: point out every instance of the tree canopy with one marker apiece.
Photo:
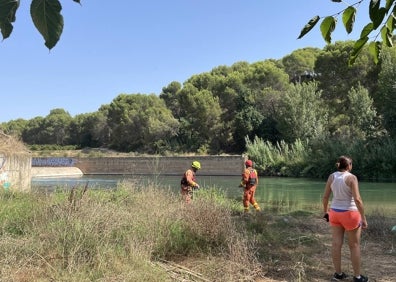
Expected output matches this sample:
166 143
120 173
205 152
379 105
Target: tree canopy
213 112
304 120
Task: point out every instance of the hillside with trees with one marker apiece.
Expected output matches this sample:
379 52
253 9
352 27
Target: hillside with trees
302 110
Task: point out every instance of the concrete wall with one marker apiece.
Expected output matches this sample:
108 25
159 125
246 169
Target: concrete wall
210 165
15 173
15 164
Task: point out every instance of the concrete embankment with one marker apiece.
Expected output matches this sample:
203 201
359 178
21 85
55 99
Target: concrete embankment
211 165
56 171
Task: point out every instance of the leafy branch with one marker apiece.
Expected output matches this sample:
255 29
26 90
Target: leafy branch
46 16
378 19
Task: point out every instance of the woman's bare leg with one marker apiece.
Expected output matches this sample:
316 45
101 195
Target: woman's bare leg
354 247
338 240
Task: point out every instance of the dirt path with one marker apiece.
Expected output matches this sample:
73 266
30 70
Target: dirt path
378 259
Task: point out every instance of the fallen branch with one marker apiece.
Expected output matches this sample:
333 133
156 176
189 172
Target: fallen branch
180 269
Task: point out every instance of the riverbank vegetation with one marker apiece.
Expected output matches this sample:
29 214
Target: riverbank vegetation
148 234
305 109
372 161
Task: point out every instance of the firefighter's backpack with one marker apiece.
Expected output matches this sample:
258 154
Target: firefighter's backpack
253 177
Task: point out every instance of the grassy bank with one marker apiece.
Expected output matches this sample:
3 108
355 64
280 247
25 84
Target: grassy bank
148 234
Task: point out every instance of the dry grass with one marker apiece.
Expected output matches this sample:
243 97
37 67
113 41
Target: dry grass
117 236
9 145
148 234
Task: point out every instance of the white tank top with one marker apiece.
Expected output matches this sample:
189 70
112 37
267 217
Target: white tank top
342 193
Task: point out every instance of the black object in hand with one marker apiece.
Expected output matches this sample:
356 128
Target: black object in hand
326 217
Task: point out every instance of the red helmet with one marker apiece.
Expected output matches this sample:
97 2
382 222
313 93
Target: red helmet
249 163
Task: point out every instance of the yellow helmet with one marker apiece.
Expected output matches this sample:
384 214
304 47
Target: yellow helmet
196 164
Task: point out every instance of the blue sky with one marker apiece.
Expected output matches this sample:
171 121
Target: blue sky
112 47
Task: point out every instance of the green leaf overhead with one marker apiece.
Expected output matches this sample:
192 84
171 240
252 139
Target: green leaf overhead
8 10
6 29
391 22
310 25
380 17
348 18
327 27
367 30
374 49
389 4
48 20
376 13
373 9
383 17
386 36
357 48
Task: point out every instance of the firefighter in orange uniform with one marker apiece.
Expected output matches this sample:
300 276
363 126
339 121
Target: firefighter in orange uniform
188 182
249 183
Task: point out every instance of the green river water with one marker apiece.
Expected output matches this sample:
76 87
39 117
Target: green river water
294 193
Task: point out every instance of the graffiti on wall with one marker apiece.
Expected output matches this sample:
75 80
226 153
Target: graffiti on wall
53 162
4 182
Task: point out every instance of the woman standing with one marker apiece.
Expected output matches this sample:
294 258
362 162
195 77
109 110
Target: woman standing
346 215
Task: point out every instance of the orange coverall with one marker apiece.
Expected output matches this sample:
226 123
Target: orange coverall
188 184
249 189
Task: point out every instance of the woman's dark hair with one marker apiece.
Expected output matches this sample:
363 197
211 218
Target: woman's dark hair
343 162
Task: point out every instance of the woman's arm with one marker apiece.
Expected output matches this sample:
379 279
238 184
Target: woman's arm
327 193
352 182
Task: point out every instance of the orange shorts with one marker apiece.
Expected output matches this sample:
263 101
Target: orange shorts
348 219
